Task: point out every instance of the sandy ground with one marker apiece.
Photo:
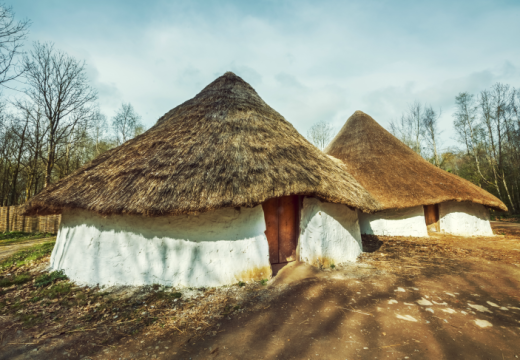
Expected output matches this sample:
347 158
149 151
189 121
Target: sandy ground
442 297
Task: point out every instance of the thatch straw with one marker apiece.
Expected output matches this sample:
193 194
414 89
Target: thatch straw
224 148
394 174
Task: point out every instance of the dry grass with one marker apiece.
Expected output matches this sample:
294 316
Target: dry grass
405 255
60 307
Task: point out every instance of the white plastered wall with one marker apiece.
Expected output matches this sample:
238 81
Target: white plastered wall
399 222
214 248
329 233
464 218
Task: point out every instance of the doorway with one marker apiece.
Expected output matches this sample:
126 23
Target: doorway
431 215
282 220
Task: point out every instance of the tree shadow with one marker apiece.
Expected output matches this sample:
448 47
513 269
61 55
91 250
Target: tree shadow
343 314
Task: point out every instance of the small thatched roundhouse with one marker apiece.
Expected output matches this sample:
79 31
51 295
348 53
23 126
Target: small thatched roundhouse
220 189
415 195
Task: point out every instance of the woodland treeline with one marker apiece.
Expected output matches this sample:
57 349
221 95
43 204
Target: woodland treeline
52 124
487 127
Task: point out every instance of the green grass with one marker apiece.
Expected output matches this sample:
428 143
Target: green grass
46 279
167 295
29 320
17 236
58 290
15 280
26 255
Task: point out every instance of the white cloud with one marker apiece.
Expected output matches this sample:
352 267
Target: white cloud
310 61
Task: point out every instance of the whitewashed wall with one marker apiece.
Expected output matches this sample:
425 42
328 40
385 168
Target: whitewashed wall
329 233
464 218
400 222
215 248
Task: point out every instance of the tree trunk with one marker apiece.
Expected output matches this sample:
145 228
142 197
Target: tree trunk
507 192
50 164
19 158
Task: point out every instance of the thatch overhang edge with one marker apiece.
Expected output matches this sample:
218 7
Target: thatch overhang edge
224 148
385 166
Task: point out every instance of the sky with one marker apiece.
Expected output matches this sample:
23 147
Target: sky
309 60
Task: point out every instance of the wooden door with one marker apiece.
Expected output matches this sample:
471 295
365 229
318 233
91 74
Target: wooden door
270 208
431 215
282 220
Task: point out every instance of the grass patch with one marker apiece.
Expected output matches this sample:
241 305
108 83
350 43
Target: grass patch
163 295
47 279
15 280
55 291
16 236
29 320
28 254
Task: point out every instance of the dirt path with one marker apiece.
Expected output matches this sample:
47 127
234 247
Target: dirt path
431 298
8 250
513 225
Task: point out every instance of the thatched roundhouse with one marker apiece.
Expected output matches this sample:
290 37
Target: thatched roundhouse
221 189
415 195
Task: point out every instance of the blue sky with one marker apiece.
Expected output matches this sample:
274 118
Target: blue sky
309 60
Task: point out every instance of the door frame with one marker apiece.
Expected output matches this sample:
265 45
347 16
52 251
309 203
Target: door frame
431 217
272 214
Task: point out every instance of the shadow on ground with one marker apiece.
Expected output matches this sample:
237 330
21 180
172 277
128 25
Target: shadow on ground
470 310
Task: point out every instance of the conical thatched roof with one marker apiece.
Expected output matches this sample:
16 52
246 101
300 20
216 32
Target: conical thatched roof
224 148
394 174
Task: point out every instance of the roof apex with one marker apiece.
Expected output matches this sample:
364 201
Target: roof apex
223 148
394 174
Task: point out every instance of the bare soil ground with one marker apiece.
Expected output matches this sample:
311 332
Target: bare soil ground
442 297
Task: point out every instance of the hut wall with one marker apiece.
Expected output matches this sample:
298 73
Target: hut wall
399 222
464 218
214 248
329 233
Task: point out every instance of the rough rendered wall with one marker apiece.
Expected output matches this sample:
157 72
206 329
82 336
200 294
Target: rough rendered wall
464 218
215 248
329 233
402 222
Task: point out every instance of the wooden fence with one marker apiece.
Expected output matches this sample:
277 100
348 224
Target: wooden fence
18 222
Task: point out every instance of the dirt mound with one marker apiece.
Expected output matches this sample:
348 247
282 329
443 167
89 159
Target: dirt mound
293 272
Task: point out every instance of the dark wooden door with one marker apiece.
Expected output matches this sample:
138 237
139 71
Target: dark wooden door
282 220
431 215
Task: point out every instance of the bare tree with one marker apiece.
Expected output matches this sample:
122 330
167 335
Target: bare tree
469 130
12 35
430 124
409 129
320 134
496 112
414 118
401 130
58 85
99 131
20 132
126 123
